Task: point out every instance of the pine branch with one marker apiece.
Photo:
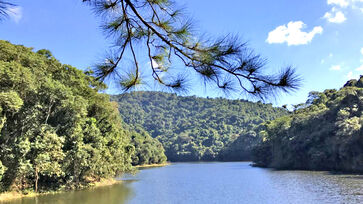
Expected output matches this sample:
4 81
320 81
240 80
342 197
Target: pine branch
4 9
166 34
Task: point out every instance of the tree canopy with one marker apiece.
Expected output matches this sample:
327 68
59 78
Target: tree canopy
194 128
56 130
167 37
148 150
325 133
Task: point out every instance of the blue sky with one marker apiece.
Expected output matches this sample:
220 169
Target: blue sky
322 38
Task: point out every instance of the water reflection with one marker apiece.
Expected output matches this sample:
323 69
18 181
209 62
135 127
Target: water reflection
316 187
116 194
238 182
205 183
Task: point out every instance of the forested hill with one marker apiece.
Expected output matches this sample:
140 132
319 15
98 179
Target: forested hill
56 130
193 128
325 133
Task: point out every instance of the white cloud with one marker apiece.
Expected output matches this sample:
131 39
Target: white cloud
292 34
351 75
335 16
15 13
155 64
361 51
335 67
359 68
342 3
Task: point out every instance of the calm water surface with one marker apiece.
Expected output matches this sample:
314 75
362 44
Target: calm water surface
207 183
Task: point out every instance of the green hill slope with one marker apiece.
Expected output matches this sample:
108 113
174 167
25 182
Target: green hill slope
56 130
192 128
325 133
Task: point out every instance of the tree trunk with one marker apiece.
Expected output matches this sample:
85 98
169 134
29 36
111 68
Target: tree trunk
49 111
36 179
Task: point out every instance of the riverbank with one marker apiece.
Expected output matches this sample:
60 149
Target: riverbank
153 165
9 196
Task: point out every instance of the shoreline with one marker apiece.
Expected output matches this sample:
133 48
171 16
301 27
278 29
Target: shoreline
14 195
104 182
153 165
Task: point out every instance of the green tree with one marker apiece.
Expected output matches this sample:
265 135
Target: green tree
48 154
10 103
148 150
194 128
57 130
325 133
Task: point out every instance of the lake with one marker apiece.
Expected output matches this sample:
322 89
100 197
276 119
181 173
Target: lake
216 182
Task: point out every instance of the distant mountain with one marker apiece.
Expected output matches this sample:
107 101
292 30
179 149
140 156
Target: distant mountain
193 128
325 133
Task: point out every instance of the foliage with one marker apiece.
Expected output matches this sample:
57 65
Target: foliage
192 128
148 150
4 9
241 148
2 170
57 131
166 36
325 133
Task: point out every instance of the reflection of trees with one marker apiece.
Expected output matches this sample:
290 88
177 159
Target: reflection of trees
115 194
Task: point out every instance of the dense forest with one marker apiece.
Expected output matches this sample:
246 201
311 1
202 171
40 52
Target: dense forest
148 150
325 133
57 130
193 128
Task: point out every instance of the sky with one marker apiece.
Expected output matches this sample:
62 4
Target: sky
322 39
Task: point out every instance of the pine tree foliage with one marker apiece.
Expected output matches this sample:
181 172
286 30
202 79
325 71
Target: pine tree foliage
167 37
4 9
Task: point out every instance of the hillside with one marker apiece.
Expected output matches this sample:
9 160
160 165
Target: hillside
56 130
193 128
325 133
